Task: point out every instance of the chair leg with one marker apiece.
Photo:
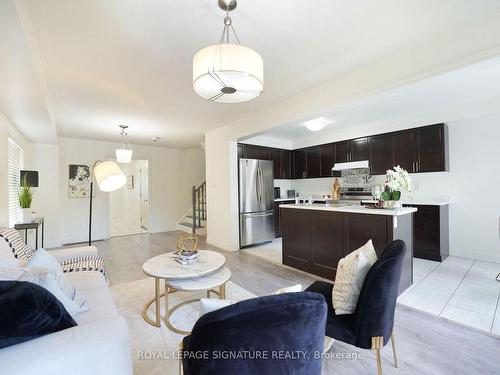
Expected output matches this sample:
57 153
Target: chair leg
377 344
379 362
393 344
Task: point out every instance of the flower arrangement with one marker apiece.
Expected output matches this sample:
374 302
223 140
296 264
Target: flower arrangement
397 179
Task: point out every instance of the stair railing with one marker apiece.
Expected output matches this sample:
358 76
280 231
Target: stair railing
199 201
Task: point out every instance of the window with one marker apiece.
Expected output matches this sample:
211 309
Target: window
16 161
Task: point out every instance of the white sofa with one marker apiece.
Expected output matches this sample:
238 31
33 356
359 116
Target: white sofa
98 345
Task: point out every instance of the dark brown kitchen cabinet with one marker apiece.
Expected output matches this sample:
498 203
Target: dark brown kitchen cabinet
277 216
431 233
361 228
240 151
327 159
404 153
342 151
359 149
256 152
286 164
327 243
299 164
312 163
380 154
297 240
276 159
315 240
431 149
251 152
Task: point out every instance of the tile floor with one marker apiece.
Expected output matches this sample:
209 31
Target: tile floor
121 226
459 289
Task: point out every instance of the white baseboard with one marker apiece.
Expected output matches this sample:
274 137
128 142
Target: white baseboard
220 245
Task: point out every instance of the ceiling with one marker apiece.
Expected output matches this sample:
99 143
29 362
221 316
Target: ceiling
80 68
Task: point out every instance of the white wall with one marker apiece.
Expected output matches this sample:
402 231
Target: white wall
172 173
125 202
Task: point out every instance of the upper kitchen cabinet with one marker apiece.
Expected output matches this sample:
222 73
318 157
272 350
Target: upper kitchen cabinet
327 159
313 163
404 150
286 164
240 151
380 154
276 159
299 164
431 149
421 149
359 149
342 151
255 152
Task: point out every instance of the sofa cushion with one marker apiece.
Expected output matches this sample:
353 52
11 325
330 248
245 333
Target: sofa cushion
101 306
84 281
42 259
28 311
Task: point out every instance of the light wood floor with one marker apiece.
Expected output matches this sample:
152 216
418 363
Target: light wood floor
426 345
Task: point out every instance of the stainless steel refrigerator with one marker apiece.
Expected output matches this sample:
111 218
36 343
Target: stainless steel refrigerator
256 201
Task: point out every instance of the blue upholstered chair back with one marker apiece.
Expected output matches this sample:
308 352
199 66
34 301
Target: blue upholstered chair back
272 326
374 314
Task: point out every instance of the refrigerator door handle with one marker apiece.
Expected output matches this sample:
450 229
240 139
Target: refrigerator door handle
257 188
261 185
259 214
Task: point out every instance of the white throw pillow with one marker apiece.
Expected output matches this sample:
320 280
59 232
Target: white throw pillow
212 304
289 289
42 259
351 273
48 280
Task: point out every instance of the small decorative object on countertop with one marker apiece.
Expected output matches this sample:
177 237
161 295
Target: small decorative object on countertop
336 189
396 180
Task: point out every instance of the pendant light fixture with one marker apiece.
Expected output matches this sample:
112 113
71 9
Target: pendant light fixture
228 72
124 153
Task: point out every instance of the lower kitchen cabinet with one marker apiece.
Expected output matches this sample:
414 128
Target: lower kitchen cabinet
430 227
277 216
315 240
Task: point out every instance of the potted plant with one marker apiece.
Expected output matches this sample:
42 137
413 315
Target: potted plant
397 179
25 195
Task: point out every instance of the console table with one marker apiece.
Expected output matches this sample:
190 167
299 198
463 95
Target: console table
34 224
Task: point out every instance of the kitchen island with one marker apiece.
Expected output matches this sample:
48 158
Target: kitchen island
317 236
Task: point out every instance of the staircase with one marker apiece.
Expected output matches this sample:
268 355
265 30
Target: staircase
195 219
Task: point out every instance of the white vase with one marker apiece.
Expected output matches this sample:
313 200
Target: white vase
26 212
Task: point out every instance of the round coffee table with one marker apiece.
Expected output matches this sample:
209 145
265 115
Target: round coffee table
207 274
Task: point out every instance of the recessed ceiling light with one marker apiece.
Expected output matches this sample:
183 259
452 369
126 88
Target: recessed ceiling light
154 139
316 124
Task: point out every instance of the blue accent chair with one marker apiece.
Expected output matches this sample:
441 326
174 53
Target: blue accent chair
371 324
286 331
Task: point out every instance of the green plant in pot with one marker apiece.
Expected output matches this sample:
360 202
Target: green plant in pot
397 179
25 195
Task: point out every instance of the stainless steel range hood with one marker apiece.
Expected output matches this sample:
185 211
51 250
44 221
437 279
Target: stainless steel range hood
363 164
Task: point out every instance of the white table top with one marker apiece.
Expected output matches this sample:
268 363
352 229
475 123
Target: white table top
166 267
210 281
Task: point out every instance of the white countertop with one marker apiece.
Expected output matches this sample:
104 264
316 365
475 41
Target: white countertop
352 209
424 200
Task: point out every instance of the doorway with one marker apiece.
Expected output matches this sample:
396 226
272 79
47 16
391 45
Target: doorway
129 206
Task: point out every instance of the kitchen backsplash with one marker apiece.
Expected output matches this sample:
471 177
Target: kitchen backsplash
357 178
319 186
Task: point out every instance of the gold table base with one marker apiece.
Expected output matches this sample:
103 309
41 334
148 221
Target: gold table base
168 311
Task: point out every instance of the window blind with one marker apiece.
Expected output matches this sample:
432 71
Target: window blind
16 161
